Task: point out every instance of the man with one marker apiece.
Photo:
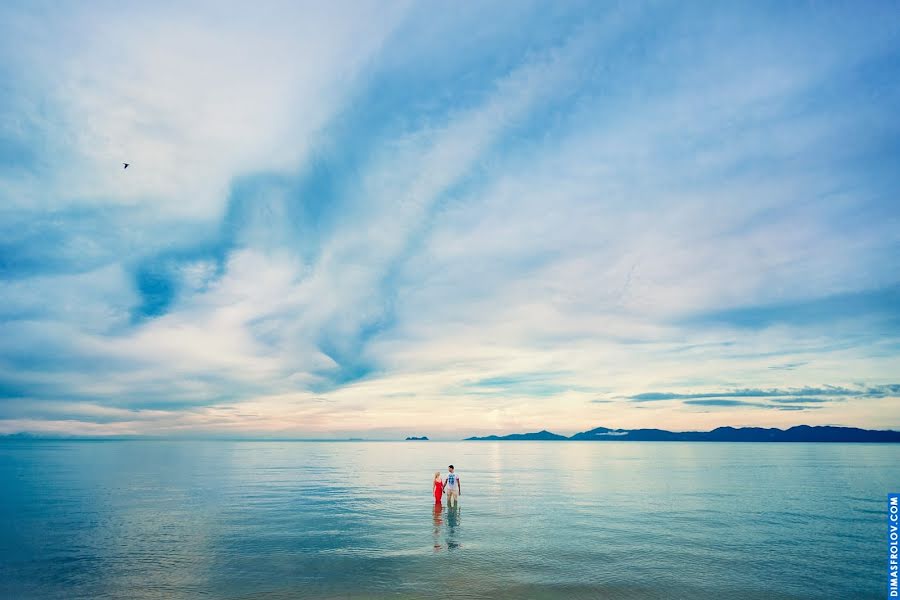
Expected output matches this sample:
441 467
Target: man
452 487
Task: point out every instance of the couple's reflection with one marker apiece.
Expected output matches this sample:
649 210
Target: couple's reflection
446 524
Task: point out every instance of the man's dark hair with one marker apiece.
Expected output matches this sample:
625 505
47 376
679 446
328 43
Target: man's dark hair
450 467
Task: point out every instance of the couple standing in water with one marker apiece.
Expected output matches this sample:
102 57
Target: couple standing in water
449 486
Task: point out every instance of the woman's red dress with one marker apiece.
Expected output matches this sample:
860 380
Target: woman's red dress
438 490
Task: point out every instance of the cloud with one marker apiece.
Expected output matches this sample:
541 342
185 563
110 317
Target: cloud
722 402
797 399
730 403
790 366
180 92
808 394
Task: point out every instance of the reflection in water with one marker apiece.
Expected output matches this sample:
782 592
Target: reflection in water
438 520
452 525
451 537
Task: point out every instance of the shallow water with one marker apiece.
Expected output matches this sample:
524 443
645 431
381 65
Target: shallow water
614 520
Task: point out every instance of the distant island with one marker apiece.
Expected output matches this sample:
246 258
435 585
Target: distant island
799 433
417 439
543 435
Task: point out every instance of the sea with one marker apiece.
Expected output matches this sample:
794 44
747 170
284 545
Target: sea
266 520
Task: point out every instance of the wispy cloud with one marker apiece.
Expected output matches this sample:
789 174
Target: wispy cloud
878 391
789 366
729 403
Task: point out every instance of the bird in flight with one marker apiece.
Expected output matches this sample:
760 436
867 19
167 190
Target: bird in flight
126 165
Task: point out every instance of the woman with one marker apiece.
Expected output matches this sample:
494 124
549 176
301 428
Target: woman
438 487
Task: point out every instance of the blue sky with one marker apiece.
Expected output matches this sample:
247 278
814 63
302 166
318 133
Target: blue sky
415 218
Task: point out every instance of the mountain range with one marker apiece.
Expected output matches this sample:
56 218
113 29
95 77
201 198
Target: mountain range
799 433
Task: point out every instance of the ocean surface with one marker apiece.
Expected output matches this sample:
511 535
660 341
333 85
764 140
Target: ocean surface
279 520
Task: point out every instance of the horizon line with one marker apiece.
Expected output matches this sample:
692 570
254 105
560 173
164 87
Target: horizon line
24 435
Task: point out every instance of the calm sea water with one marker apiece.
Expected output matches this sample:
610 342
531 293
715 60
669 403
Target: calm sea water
267 520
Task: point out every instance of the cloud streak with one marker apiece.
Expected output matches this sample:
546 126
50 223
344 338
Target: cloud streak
815 393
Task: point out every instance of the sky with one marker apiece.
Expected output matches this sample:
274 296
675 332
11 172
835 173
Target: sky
373 219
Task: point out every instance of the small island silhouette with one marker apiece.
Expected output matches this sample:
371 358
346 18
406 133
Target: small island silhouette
799 433
417 439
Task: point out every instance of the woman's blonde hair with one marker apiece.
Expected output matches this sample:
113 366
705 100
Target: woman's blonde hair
437 474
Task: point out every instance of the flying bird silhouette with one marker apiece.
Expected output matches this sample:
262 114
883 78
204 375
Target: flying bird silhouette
126 165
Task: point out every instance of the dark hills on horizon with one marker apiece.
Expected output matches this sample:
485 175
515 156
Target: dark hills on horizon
798 433
543 435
